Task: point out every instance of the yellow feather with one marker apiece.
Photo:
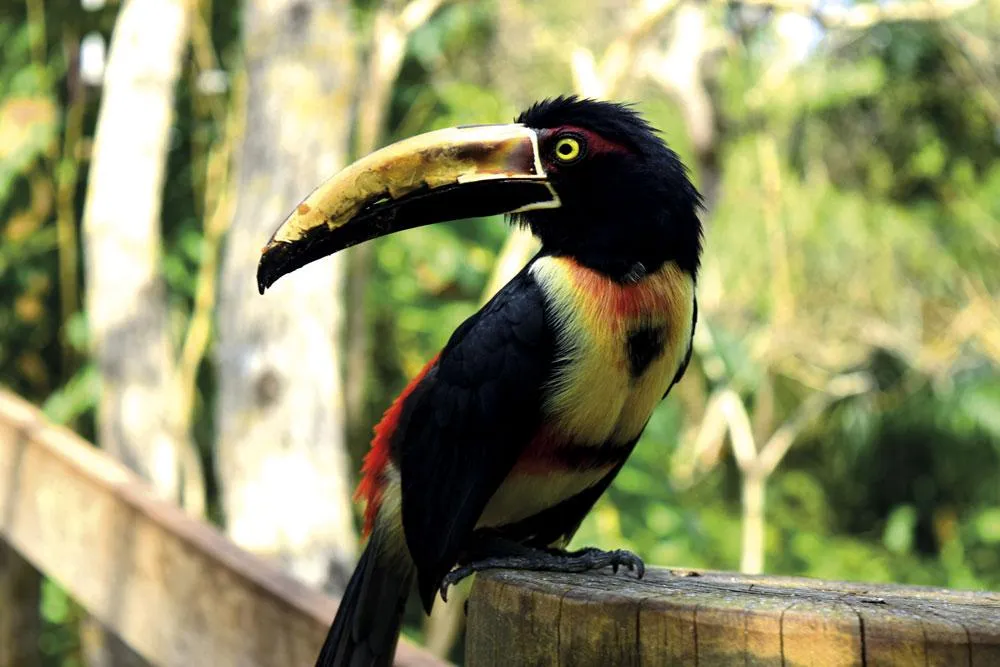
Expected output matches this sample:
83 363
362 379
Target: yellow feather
389 523
525 494
595 400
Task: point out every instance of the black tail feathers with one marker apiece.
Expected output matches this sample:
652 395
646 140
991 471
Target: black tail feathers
366 629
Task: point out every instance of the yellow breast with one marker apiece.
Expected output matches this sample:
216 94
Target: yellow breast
596 397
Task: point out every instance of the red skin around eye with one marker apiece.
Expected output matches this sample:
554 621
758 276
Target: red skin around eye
596 144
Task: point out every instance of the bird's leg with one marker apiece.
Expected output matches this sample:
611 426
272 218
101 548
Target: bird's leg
579 552
490 553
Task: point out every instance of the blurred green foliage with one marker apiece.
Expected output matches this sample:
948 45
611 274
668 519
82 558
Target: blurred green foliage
870 172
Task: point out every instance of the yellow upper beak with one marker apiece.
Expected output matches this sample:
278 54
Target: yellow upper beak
443 175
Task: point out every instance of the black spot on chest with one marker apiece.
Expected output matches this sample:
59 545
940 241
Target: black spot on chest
644 345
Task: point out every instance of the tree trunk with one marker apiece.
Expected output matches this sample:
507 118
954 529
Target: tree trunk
137 417
20 623
125 294
282 462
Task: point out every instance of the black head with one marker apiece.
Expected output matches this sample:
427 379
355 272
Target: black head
628 205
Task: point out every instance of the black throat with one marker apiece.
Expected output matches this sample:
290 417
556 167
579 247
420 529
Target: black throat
624 245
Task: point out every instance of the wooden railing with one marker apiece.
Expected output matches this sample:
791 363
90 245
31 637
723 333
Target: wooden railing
716 619
172 588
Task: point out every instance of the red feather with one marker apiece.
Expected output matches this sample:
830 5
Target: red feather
626 301
371 484
540 454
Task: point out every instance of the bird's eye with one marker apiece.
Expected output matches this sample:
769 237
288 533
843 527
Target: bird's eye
569 149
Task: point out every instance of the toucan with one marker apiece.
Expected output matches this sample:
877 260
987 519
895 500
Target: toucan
494 453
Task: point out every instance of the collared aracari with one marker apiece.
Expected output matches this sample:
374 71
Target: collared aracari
496 451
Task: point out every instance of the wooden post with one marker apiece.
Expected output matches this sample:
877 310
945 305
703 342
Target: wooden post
718 619
20 623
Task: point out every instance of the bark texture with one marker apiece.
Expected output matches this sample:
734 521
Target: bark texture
138 418
282 463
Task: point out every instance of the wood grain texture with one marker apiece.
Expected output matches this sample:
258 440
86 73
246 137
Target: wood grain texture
177 591
714 619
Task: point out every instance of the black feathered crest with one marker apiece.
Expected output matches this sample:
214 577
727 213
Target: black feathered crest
614 121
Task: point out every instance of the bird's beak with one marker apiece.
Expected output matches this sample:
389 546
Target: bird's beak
461 172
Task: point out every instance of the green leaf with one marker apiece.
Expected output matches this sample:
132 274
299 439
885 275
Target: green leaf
28 126
898 533
77 332
55 603
75 398
987 525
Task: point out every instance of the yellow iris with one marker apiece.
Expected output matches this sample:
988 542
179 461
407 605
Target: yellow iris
567 149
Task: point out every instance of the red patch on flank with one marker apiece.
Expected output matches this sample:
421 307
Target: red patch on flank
303 208
371 485
551 452
538 456
626 301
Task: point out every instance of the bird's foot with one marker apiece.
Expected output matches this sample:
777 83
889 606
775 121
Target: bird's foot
583 560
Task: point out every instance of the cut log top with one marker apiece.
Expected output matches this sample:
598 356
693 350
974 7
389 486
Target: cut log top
712 619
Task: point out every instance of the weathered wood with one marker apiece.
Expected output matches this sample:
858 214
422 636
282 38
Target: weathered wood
20 622
172 587
716 619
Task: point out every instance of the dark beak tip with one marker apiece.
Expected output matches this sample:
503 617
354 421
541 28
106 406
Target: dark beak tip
268 268
262 282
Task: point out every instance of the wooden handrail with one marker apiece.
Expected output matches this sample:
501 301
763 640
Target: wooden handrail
716 619
173 588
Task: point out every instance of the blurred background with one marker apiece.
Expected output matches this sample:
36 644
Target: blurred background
841 417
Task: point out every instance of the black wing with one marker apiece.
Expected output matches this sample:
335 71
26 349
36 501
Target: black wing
463 428
687 356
